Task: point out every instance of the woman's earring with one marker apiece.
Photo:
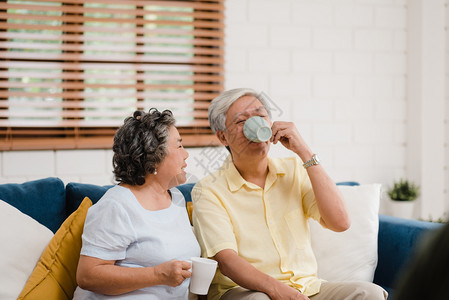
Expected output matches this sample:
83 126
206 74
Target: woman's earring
155 172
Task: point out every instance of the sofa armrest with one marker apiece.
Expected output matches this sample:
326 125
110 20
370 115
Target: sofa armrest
396 242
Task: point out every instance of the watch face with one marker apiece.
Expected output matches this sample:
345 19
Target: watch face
316 158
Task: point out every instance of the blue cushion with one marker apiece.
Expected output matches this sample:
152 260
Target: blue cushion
186 189
43 200
75 193
348 183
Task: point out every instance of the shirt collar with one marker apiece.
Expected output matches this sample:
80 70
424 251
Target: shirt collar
236 181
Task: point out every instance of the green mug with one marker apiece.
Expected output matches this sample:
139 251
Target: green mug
257 130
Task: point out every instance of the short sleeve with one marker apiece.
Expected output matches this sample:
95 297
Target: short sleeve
211 222
108 231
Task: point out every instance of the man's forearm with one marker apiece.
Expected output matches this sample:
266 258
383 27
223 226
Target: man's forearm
329 199
247 276
243 273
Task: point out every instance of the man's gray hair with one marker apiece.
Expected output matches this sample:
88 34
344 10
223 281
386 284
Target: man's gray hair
220 105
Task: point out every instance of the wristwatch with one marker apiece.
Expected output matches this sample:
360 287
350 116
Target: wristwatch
313 161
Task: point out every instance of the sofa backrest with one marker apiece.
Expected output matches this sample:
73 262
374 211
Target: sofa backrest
44 200
75 193
50 203
397 239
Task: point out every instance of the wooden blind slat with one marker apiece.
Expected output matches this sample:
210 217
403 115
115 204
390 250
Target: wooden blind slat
89 12
110 95
173 40
75 66
86 76
118 49
115 30
118 58
197 5
88 142
68 104
83 123
117 22
81 85
83 114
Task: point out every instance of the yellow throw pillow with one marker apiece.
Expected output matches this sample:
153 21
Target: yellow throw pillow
189 207
54 276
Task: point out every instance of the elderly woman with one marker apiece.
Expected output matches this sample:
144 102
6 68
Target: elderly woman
260 207
137 238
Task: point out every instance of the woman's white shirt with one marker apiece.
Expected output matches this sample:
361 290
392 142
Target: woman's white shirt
119 228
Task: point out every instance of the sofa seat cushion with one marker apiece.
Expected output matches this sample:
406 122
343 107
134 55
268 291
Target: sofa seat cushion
43 200
54 277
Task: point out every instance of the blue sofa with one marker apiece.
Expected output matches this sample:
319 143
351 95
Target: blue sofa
50 202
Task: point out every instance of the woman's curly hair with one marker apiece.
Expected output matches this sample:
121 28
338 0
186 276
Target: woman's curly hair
140 144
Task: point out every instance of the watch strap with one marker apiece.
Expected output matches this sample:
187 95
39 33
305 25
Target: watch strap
311 162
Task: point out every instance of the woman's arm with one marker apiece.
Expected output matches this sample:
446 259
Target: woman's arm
104 277
247 276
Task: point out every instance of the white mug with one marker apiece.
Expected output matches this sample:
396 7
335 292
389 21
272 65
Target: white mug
203 271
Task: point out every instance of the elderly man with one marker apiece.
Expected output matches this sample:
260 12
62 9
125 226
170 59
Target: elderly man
252 214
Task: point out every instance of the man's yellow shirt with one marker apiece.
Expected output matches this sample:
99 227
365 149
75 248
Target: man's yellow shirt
267 227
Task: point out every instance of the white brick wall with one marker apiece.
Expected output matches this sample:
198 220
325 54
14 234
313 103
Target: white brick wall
20 166
338 69
89 166
373 40
446 123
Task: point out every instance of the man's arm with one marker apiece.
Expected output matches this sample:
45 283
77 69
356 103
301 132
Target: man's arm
329 200
328 197
247 276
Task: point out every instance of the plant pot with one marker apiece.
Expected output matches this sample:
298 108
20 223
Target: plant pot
402 209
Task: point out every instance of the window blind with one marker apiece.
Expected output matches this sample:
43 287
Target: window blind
71 71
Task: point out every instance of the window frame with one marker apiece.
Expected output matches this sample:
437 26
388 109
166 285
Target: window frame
68 125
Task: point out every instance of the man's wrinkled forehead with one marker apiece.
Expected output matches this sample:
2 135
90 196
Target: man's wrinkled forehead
250 111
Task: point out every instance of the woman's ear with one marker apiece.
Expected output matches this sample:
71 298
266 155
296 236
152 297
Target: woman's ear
221 137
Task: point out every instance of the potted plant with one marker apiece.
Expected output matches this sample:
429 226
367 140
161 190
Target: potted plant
402 195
